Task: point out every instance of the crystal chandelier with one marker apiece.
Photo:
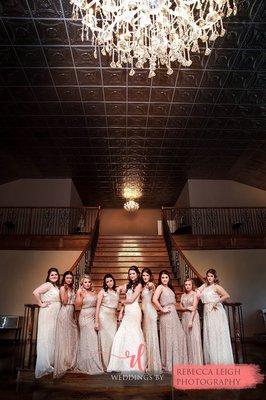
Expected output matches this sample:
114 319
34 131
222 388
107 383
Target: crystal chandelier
152 33
131 206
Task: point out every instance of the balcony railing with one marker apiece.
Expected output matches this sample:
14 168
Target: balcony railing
217 221
47 220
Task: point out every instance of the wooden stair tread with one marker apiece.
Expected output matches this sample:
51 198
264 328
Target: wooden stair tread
124 253
130 258
120 275
131 245
118 249
155 263
98 282
130 237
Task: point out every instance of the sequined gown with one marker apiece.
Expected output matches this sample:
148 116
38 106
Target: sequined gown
66 338
46 331
217 347
108 324
88 356
172 337
193 335
129 341
150 331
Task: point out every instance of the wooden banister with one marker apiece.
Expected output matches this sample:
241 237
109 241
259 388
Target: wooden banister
172 246
90 246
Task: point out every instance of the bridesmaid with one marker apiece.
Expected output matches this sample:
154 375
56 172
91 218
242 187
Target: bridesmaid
47 296
191 323
217 348
105 319
172 336
66 329
88 356
150 329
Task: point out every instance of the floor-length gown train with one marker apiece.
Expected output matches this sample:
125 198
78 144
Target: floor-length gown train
66 342
108 324
88 357
46 331
172 337
129 341
150 330
217 348
193 335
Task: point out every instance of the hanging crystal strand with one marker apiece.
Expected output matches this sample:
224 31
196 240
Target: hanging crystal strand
234 7
95 50
112 64
189 62
222 32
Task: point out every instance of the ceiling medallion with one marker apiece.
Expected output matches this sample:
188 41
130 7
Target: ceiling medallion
152 33
131 206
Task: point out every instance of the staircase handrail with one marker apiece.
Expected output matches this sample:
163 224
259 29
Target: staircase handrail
177 248
90 241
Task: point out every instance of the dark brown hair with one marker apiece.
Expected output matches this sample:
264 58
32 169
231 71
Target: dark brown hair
130 283
50 270
165 272
64 277
148 271
214 273
105 287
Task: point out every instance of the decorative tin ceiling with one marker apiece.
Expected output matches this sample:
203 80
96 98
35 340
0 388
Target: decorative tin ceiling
66 114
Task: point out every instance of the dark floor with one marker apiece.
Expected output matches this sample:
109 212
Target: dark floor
101 390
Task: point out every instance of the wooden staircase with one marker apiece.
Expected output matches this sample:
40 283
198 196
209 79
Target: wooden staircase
115 254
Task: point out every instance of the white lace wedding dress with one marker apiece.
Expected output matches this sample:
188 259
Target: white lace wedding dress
129 341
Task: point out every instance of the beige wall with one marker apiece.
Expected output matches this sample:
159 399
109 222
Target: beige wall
120 222
220 193
75 200
183 199
22 271
243 274
39 193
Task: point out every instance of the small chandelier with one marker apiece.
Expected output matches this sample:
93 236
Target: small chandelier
131 206
152 33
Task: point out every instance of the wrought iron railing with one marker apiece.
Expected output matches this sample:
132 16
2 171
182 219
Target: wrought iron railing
181 266
183 269
47 220
84 262
217 221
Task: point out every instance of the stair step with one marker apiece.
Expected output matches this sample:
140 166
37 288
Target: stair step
133 249
131 241
124 253
131 259
109 237
126 264
120 275
131 246
98 282
124 270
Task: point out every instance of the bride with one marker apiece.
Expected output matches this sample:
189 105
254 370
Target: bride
128 352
